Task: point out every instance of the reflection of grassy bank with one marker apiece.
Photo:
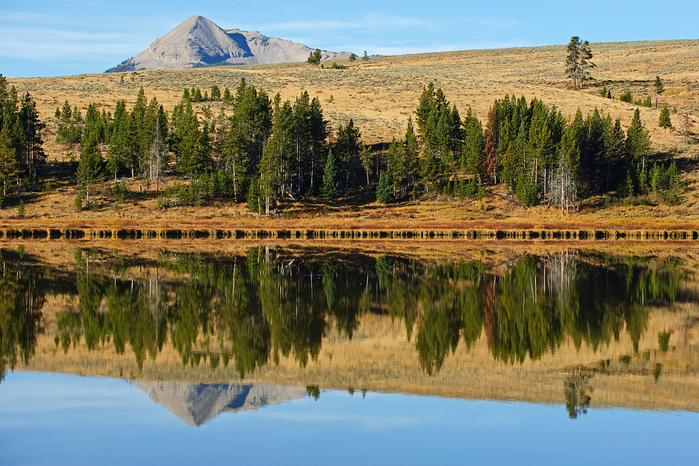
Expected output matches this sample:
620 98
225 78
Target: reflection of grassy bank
225 317
378 358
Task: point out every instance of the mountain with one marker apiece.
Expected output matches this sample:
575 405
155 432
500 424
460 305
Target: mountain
198 42
197 403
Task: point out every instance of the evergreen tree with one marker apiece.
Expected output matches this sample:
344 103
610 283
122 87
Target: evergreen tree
412 148
34 155
118 143
664 120
578 61
347 154
314 57
215 92
276 155
89 167
659 89
383 190
330 185
8 160
473 160
614 147
638 141
397 166
490 162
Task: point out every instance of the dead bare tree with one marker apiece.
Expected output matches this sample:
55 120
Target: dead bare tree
563 190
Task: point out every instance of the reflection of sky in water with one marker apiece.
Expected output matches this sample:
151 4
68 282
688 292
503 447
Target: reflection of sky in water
60 419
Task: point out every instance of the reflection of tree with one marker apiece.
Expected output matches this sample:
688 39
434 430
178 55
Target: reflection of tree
576 390
21 299
268 304
441 322
401 291
12 328
248 330
526 321
295 313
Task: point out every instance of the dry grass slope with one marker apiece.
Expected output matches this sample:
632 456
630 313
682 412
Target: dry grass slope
381 94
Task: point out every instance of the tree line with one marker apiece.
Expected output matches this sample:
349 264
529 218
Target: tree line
528 147
21 145
260 150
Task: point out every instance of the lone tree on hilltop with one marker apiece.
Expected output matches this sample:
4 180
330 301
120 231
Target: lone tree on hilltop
314 57
578 62
659 89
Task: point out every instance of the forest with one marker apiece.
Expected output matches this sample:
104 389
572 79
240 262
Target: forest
261 150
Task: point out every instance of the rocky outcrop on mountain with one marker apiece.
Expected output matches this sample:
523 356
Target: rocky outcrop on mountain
198 42
197 403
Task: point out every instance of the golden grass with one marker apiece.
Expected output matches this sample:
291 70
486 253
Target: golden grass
379 358
380 95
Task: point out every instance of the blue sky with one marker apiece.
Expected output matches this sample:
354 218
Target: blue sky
64 37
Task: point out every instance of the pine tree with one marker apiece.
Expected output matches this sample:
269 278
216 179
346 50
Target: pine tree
638 141
397 166
34 154
347 154
89 167
664 120
659 89
383 190
578 61
8 160
490 162
314 57
330 186
473 159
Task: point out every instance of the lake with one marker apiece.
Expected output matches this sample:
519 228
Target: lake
289 354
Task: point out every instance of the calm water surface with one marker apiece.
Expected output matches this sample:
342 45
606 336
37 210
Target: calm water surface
65 419
573 357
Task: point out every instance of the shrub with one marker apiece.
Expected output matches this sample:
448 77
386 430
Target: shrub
626 97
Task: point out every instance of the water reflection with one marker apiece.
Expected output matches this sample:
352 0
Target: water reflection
197 403
274 303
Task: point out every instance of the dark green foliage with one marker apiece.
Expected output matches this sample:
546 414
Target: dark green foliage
89 168
637 140
70 127
578 62
664 341
215 93
314 57
383 190
8 160
658 85
626 96
645 102
329 189
664 120
346 149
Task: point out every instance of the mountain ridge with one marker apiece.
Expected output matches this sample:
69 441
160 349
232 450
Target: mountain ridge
198 42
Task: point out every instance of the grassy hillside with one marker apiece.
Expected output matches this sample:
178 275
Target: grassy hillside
381 93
